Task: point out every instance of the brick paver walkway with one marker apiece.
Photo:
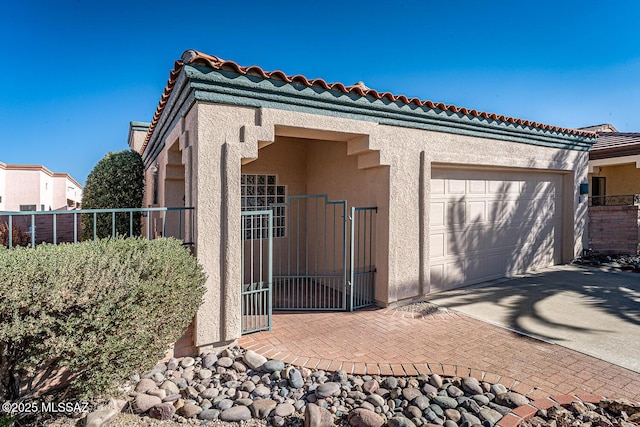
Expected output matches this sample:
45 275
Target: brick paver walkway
389 342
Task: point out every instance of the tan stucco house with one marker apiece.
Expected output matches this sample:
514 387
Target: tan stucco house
614 177
451 196
614 163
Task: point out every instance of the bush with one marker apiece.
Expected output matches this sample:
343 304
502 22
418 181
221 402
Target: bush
116 181
102 310
20 237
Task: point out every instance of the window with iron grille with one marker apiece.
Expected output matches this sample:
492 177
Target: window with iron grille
261 192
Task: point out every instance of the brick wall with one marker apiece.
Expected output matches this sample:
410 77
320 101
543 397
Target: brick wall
614 229
44 227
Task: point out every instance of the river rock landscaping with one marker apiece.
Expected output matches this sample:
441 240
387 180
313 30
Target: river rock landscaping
616 262
238 387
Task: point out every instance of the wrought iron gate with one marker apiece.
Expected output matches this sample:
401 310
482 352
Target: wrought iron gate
257 269
362 264
306 254
310 261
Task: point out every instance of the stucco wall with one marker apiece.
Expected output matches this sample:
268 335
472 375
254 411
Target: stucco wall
331 170
65 190
287 158
36 185
620 179
402 150
46 192
22 188
361 161
311 167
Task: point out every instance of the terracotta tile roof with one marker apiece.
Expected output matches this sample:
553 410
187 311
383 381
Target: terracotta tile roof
214 62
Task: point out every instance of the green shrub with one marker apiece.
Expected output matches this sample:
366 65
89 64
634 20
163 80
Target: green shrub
102 310
116 181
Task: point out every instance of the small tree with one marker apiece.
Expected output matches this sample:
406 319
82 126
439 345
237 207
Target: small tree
116 181
19 236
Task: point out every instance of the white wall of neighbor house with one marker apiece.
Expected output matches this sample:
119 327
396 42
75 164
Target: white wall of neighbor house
46 192
24 187
35 186
368 164
3 187
66 192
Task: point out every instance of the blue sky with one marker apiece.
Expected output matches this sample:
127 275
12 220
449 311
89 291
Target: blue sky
74 72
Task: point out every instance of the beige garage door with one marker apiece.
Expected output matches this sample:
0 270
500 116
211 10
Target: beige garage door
490 224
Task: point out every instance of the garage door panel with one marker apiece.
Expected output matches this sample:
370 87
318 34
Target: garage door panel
437 213
476 211
477 187
437 186
436 276
454 242
456 213
456 186
495 210
485 268
504 187
436 243
492 223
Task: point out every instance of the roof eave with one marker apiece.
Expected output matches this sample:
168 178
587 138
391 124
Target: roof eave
213 80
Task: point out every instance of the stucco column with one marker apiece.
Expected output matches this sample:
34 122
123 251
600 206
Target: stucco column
218 152
209 244
232 245
424 177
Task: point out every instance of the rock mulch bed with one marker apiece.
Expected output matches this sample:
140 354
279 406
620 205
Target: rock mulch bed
243 387
238 386
423 308
618 262
607 413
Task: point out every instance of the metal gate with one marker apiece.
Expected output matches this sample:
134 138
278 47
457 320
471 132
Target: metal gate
363 268
306 254
310 258
257 269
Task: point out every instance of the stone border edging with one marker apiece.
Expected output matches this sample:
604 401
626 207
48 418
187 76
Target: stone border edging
404 370
526 412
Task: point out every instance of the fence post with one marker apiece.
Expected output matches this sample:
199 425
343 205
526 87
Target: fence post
33 231
10 231
55 236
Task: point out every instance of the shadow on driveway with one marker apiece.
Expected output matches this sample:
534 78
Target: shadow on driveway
594 311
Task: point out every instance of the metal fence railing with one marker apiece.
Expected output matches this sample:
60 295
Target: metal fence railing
257 270
363 268
617 200
61 226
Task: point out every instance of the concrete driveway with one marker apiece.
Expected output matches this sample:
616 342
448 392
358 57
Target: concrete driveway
593 311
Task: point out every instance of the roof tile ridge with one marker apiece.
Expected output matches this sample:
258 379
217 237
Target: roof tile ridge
195 57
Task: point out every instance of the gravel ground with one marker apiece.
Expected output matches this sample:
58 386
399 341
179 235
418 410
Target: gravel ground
605 414
422 307
133 420
618 262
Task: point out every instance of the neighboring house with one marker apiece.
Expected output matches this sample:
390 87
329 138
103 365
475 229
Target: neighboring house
614 163
36 188
614 176
456 196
